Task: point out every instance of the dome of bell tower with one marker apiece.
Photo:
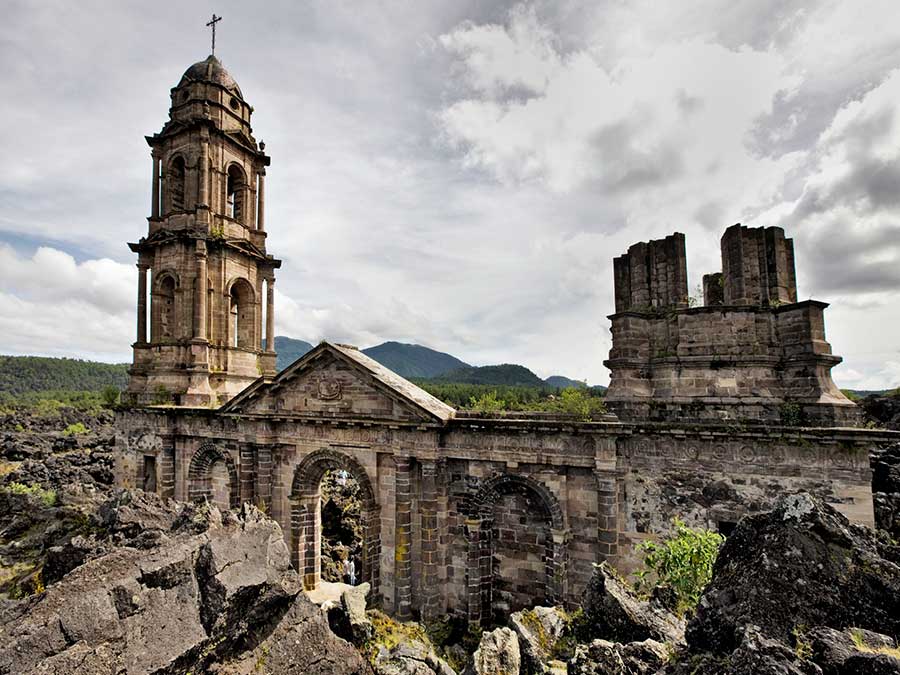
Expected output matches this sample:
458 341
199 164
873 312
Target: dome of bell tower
210 70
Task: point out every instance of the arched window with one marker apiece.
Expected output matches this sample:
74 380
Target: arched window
176 184
163 327
234 195
241 322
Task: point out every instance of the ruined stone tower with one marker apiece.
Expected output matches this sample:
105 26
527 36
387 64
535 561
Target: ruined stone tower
210 282
750 352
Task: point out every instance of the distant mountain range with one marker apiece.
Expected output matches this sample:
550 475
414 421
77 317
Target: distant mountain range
27 374
418 362
414 360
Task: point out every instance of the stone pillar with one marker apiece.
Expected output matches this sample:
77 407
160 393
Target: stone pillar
261 202
201 292
270 314
154 204
166 468
652 275
557 568
475 536
713 289
403 545
306 547
263 474
247 473
607 515
428 505
142 304
203 176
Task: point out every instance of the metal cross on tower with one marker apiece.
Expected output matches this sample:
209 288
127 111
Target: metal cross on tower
212 24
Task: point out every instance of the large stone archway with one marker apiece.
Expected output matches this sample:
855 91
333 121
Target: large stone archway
516 547
212 476
306 520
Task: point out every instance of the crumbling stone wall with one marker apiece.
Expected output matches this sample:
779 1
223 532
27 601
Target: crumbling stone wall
457 517
752 353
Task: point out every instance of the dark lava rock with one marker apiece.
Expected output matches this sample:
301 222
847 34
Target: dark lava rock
801 564
884 410
753 654
885 464
852 651
612 612
225 600
601 657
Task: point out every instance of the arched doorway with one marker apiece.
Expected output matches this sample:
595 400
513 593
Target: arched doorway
306 518
516 533
212 476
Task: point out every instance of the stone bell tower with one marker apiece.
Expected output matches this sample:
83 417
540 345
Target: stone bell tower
209 294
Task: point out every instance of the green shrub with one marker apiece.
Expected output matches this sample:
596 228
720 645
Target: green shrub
488 402
162 396
683 562
110 396
48 497
791 414
577 401
74 429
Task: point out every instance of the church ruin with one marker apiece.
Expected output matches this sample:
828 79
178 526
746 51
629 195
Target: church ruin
716 409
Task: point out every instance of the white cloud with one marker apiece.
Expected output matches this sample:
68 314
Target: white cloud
462 174
50 304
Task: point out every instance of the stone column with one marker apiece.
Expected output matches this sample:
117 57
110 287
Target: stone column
306 546
203 178
403 533
142 304
261 202
263 488
154 204
607 515
474 535
557 568
428 506
270 314
200 289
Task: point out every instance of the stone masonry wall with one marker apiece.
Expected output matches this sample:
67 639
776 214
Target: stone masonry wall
492 514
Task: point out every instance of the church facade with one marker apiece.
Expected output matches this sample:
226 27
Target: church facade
719 409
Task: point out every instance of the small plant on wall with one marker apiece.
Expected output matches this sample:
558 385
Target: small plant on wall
682 563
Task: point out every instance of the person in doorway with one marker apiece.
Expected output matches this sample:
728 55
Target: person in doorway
348 570
352 572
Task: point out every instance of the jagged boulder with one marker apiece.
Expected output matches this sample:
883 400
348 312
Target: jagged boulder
884 410
885 464
402 649
801 564
497 654
213 590
539 630
753 654
851 651
353 603
602 657
612 612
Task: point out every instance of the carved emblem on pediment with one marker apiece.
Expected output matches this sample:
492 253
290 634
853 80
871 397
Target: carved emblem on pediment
328 389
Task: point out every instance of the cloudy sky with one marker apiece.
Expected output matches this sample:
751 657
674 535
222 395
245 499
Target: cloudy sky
459 173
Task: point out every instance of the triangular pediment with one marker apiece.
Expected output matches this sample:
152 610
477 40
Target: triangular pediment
336 381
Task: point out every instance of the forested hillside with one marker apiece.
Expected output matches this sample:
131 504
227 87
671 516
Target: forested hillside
507 374
413 360
289 350
27 374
